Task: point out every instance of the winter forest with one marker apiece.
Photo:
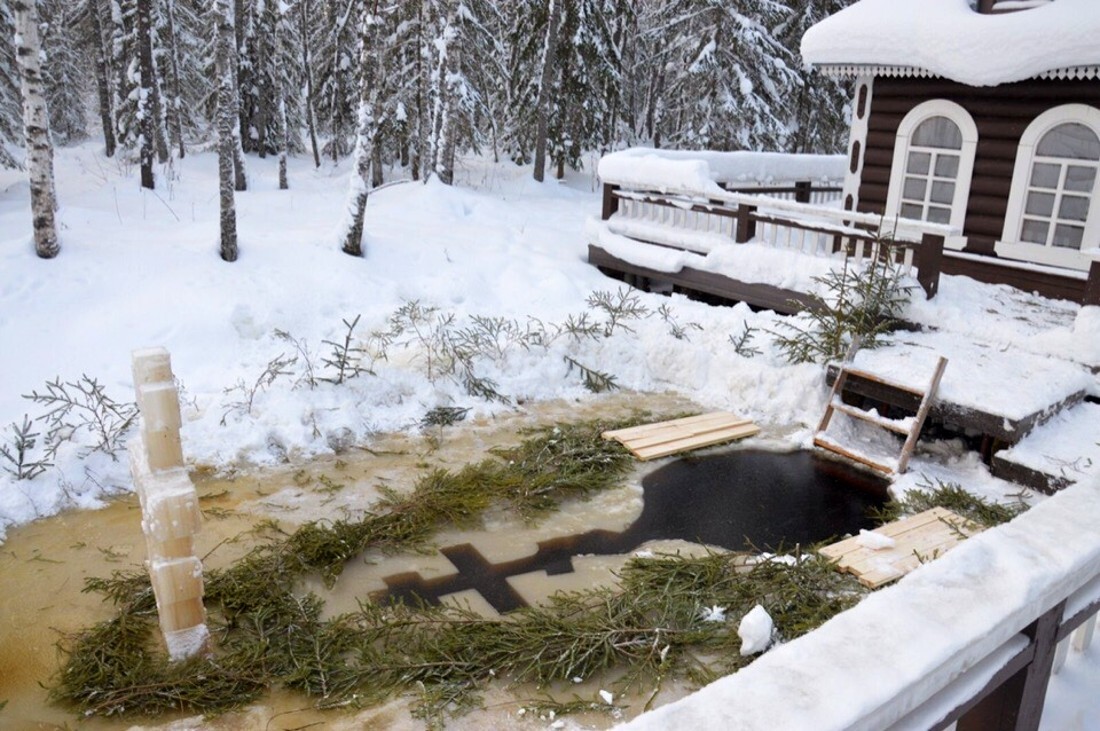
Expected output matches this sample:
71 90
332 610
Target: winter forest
406 85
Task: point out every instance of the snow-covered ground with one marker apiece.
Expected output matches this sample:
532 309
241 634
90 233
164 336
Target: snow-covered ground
140 268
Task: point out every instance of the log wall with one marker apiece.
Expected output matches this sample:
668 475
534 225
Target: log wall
1001 113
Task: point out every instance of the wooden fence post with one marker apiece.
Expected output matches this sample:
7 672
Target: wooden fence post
1017 704
1092 286
610 201
746 224
169 507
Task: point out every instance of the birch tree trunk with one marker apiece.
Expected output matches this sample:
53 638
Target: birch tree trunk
36 129
549 54
227 123
359 185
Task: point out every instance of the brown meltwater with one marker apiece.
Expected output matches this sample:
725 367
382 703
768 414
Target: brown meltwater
43 565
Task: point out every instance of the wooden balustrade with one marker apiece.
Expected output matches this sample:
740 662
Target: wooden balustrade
788 217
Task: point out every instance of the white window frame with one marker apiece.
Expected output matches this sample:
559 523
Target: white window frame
1009 245
969 130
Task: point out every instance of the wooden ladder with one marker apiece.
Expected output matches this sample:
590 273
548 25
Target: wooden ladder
909 428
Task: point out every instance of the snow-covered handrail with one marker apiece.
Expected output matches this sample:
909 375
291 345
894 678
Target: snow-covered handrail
971 636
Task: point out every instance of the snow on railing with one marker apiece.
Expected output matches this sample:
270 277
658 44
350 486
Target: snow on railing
969 638
694 213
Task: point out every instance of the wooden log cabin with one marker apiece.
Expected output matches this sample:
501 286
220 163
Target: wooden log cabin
980 114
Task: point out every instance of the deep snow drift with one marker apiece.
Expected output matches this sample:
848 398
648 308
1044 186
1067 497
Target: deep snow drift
140 268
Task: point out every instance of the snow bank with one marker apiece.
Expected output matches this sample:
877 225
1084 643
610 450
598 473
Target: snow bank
950 39
912 638
700 170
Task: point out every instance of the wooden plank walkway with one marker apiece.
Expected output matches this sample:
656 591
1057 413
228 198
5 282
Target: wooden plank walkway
651 441
915 540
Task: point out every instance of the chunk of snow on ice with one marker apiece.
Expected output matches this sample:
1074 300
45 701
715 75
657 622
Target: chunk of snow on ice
607 696
755 631
874 541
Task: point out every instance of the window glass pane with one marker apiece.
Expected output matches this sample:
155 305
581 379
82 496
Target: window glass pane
1080 178
947 166
939 215
1074 208
1068 236
918 163
1040 204
1070 140
1045 175
938 132
942 192
908 210
914 189
1034 232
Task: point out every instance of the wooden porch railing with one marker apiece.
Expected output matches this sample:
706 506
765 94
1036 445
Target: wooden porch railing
788 217
968 642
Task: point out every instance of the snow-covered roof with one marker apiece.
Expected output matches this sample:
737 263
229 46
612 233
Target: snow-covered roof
948 38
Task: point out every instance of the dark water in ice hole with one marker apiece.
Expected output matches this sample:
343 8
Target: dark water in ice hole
738 501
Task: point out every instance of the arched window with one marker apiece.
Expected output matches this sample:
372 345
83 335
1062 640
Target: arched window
933 163
1054 206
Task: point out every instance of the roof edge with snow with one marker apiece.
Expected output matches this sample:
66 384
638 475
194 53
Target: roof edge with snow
949 39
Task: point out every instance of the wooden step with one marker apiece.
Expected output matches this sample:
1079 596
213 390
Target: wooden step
868 376
825 442
900 426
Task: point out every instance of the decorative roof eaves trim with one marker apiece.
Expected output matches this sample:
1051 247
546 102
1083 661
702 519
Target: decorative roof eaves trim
836 70
859 69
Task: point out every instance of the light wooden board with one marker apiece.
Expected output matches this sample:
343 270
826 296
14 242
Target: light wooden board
917 539
651 441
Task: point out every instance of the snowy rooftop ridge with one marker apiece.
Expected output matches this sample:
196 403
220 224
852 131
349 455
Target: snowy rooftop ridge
950 39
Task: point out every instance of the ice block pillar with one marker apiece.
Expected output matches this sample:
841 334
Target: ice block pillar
169 507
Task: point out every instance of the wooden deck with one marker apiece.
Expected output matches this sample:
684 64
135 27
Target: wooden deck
913 541
702 284
652 441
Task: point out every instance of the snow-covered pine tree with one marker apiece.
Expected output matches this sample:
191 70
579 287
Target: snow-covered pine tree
169 72
92 20
63 71
11 104
372 92
36 128
337 73
588 91
730 76
226 123
817 110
